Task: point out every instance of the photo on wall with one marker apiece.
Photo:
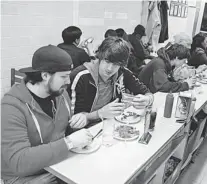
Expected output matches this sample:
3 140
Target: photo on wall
178 8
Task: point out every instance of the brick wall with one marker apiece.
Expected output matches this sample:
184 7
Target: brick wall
27 26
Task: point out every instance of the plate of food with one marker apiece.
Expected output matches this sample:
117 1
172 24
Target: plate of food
203 81
197 84
94 146
125 133
128 117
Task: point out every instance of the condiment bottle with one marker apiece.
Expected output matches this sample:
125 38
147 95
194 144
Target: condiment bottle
168 105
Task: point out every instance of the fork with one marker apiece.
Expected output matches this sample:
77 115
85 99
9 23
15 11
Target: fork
98 133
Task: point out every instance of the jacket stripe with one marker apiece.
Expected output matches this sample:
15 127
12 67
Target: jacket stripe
36 123
73 92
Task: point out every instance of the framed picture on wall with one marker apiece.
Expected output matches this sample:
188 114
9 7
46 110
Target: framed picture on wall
186 12
175 10
178 8
183 12
171 9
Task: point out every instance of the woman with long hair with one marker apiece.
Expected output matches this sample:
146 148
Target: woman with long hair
198 50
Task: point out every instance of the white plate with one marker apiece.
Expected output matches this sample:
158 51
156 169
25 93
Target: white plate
116 136
203 81
126 139
128 120
197 84
94 146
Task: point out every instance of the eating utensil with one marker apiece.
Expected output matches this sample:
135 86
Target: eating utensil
98 133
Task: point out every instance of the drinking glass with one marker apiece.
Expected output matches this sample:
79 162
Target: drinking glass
107 137
127 99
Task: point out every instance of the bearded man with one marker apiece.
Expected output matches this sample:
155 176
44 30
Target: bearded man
35 116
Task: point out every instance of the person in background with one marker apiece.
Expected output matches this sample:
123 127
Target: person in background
35 116
110 32
141 53
96 88
122 34
182 72
198 50
71 39
133 64
157 74
183 39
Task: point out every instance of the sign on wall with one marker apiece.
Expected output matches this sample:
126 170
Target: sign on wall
179 8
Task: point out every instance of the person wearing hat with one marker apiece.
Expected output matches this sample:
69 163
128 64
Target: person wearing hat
140 51
35 116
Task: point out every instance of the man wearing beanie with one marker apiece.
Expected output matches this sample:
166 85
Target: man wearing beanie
35 116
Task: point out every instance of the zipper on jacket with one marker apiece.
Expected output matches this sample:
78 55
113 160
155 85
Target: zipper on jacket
54 110
95 99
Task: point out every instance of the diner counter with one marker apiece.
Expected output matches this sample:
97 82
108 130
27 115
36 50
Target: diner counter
124 160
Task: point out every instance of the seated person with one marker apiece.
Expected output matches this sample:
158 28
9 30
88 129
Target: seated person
110 32
95 86
181 73
122 34
183 39
71 37
141 53
134 64
35 117
198 50
156 75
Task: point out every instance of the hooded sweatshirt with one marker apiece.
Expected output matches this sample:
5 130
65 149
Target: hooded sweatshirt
198 57
31 140
83 89
157 75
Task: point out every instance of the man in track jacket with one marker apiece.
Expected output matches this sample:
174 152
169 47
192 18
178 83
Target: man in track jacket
96 88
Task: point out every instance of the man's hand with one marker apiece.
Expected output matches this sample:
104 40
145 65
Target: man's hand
112 109
141 101
191 82
78 121
81 138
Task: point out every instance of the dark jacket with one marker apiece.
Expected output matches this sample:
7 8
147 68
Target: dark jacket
78 55
84 81
156 75
198 57
22 151
140 52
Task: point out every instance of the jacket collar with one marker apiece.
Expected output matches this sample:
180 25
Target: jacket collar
93 68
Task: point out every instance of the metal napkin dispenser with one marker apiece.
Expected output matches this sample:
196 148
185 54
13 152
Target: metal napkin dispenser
183 105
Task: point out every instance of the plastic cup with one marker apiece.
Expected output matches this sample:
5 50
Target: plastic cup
127 99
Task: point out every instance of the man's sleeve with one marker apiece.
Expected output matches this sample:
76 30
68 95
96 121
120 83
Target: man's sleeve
84 57
160 82
138 50
17 152
76 92
203 58
133 84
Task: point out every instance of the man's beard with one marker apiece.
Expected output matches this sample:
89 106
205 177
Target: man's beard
57 92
